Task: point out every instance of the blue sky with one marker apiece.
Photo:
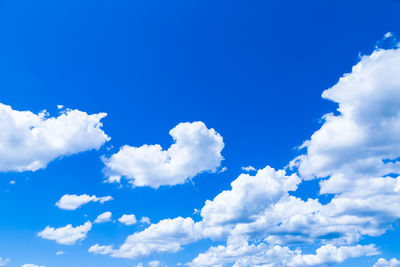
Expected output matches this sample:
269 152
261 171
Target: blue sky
252 71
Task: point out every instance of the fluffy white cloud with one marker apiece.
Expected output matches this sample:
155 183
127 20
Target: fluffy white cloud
32 265
196 149
264 255
66 235
387 263
364 133
4 262
145 219
249 168
128 219
249 196
355 154
104 217
72 202
29 141
166 236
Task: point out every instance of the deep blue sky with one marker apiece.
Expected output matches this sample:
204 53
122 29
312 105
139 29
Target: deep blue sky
253 70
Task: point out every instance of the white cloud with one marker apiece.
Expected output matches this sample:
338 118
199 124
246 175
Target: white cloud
249 196
355 152
12 182
128 219
29 141
104 217
4 262
249 169
264 255
145 219
153 263
365 132
66 235
387 263
166 236
32 265
196 149
72 202
223 169
60 252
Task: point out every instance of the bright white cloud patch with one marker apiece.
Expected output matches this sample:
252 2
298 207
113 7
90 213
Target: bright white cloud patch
128 219
166 236
145 220
32 265
196 149
264 255
72 202
387 263
104 217
249 169
67 235
29 141
356 152
4 262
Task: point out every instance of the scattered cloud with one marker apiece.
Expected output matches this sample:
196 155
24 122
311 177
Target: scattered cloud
249 169
166 236
29 141
196 149
104 217
66 235
60 252
223 169
72 202
128 219
32 265
12 182
145 220
387 263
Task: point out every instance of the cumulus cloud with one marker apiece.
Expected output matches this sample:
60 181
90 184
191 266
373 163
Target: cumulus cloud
355 154
264 255
387 263
196 149
249 169
72 202
145 219
29 141
104 217
67 235
128 219
166 236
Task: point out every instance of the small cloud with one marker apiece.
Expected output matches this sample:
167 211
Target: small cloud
104 217
128 219
60 252
12 182
145 220
249 169
60 106
4 262
154 263
223 169
388 35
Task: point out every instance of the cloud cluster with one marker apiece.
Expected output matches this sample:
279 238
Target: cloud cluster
72 202
29 141
387 263
67 235
354 154
196 149
4 262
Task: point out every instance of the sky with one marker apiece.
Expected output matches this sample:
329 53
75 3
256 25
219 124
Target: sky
199 133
